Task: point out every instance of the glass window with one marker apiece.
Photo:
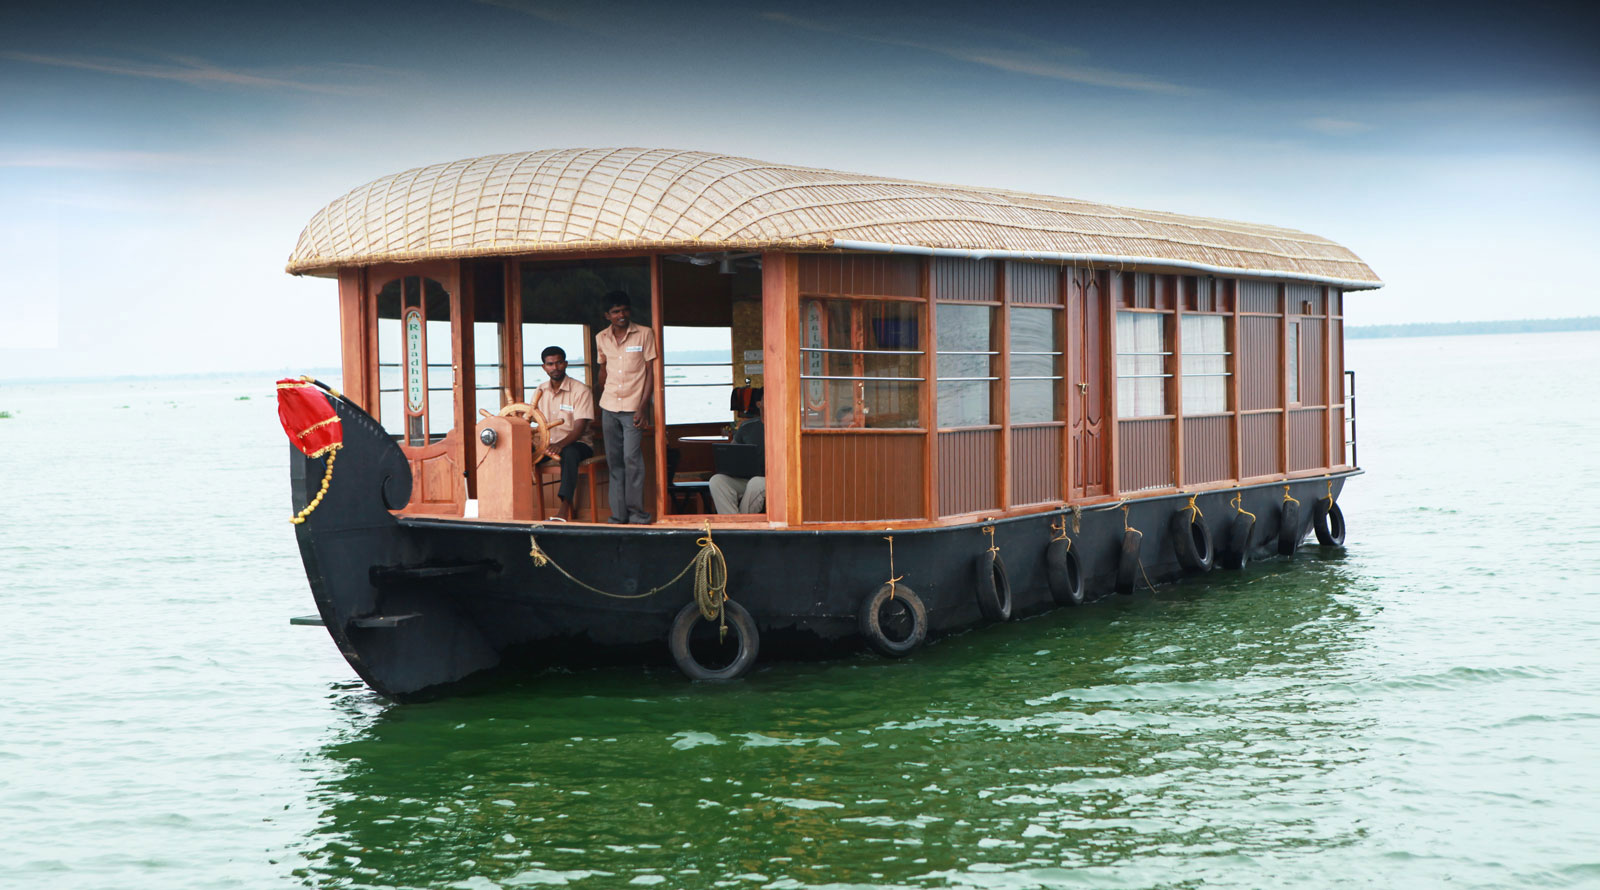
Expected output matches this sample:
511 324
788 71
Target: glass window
561 302
1141 364
1035 365
966 364
416 380
486 362
875 385
697 365
536 338
1205 365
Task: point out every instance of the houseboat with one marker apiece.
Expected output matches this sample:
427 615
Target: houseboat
976 403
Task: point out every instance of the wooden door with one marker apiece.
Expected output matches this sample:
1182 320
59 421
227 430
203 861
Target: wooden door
1086 382
417 362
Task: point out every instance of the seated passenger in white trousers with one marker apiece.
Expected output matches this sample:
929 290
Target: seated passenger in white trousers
732 494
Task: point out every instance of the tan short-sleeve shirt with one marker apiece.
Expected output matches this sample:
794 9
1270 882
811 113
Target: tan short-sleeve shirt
572 402
625 360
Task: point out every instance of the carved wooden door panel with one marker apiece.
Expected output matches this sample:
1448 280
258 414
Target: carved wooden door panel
416 374
1086 382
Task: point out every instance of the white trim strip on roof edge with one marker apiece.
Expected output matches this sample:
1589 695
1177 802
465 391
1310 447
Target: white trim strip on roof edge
1061 257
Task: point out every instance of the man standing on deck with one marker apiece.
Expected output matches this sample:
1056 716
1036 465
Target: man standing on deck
571 441
626 353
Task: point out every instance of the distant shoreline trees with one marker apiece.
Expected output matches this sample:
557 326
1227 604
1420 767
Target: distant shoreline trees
1454 328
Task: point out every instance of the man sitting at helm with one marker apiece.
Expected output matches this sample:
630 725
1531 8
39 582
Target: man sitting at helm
571 441
733 494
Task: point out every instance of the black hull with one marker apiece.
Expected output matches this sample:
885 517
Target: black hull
417 605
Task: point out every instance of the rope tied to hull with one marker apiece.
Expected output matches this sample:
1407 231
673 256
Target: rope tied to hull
1329 497
1077 519
1287 499
893 578
710 577
989 530
710 581
1060 529
1125 526
1195 515
1238 505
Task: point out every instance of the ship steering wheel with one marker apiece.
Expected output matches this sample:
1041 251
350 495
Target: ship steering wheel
536 420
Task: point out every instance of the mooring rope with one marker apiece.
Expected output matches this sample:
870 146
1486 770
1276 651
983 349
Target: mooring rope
1127 528
1238 505
893 578
710 577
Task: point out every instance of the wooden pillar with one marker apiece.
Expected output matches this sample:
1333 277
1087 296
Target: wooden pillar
1069 384
1113 423
1236 385
358 347
780 351
927 402
658 400
1329 459
1002 331
1283 375
513 387
463 360
1177 378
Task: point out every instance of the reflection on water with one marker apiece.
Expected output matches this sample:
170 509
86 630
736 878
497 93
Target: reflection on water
1157 739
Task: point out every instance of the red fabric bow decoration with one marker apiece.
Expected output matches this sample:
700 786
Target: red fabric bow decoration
308 417
313 426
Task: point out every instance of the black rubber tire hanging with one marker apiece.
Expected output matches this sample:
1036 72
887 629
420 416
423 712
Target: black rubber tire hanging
1191 539
1237 554
1289 530
1128 563
994 591
1064 573
871 620
1327 520
739 623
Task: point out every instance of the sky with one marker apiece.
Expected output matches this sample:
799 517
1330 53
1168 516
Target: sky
158 162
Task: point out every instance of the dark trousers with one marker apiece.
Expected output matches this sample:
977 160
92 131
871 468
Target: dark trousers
625 455
572 454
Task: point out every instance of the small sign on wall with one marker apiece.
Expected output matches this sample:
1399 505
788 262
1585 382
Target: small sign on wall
753 368
752 355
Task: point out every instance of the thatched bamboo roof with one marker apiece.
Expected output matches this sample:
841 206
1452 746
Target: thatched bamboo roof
567 200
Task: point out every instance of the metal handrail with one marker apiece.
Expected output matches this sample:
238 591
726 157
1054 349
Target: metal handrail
1350 417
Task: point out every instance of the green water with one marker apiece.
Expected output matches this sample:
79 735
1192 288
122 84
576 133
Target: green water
1417 711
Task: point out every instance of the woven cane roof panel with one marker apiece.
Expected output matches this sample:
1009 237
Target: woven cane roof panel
568 200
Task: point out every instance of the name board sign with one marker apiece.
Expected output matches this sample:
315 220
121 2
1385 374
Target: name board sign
416 384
